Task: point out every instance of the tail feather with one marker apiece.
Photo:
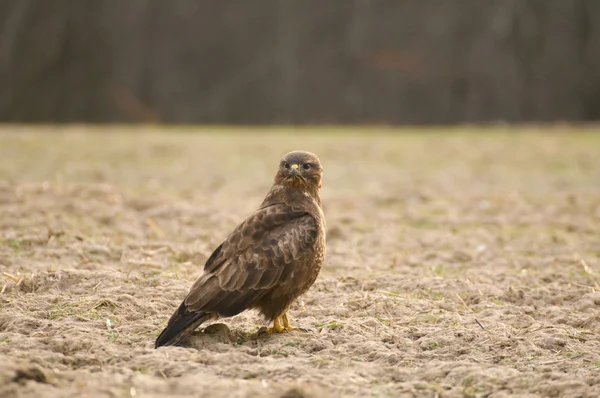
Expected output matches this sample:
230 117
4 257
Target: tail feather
181 326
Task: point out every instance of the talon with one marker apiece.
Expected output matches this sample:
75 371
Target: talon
289 327
262 331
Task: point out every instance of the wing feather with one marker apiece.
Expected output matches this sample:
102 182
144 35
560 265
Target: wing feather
253 259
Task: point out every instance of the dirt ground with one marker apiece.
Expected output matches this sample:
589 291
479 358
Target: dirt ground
462 265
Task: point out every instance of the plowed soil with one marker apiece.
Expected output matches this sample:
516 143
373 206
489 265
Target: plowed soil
460 263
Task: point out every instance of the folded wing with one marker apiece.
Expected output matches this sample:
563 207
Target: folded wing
258 255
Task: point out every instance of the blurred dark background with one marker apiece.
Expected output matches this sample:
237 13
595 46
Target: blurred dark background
299 61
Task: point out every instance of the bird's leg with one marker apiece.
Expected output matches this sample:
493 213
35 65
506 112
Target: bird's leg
288 326
277 328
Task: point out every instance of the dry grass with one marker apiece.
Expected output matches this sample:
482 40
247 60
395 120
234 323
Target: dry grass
461 265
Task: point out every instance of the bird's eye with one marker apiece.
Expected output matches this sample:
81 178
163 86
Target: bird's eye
286 165
306 166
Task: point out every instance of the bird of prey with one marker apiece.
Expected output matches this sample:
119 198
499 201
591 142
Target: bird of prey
269 260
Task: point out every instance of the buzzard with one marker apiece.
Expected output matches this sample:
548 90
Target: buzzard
269 260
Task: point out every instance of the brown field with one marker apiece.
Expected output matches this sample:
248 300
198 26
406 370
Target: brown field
462 265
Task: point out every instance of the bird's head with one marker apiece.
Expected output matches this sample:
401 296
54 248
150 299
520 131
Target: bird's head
300 169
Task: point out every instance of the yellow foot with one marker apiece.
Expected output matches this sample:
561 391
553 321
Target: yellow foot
281 324
288 327
277 328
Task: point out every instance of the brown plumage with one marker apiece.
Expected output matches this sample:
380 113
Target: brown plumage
269 260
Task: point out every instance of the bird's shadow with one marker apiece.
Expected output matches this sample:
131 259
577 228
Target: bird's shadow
220 333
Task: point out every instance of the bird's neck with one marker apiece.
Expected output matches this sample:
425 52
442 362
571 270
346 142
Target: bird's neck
285 193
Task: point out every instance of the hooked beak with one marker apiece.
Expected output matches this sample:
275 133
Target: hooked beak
294 170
